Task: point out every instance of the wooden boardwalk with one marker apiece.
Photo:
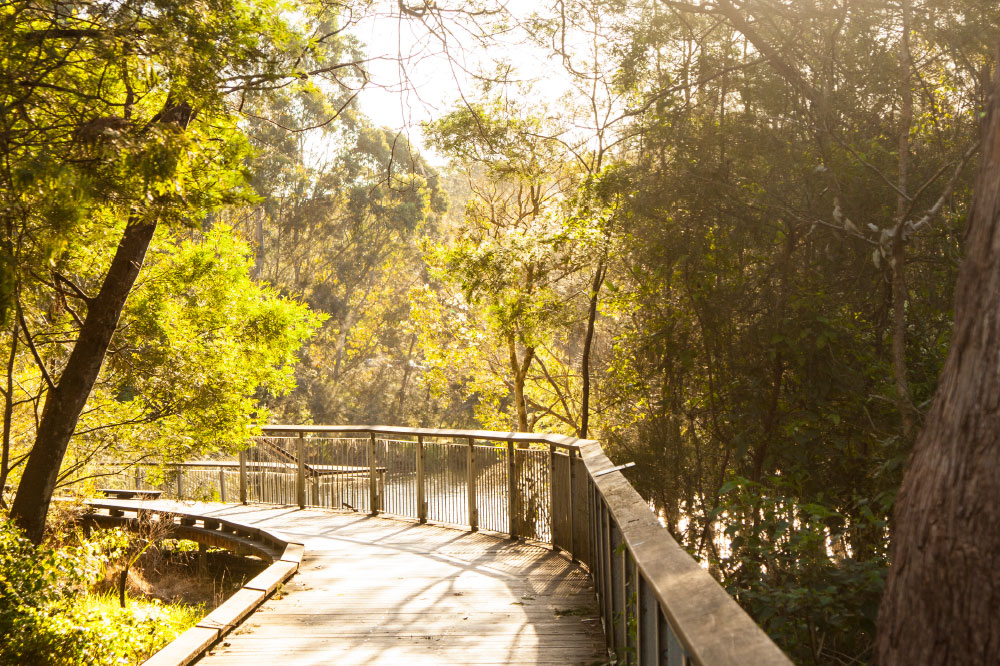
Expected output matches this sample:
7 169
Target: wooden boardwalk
384 591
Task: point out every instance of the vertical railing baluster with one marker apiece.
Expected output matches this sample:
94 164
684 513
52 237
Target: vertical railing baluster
421 502
470 480
300 476
647 643
675 653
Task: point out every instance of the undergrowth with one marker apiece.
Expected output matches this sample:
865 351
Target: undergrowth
50 614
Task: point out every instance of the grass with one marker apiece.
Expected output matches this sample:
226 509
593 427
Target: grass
141 628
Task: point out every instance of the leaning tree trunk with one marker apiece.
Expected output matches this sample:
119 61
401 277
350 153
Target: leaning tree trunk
942 599
66 400
588 342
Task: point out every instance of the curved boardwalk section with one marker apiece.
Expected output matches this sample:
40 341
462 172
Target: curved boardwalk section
382 591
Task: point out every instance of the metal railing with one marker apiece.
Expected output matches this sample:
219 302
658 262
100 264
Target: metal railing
657 604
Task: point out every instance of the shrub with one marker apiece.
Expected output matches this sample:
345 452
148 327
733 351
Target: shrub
48 618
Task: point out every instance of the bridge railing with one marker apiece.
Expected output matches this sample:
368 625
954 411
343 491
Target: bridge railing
657 604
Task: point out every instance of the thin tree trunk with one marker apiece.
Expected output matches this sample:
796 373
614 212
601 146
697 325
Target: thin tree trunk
8 412
941 600
401 398
65 402
595 290
520 370
898 252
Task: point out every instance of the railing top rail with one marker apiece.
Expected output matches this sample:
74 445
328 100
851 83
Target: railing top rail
561 441
709 622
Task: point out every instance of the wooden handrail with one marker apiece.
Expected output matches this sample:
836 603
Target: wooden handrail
702 621
562 441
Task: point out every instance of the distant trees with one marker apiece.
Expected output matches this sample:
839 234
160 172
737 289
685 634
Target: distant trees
341 209
516 271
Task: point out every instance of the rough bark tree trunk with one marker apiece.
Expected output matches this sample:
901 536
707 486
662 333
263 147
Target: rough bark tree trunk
65 402
942 599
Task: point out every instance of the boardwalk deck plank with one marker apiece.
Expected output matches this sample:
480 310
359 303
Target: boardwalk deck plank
383 591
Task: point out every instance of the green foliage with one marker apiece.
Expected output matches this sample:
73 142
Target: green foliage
339 211
126 114
787 563
48 618
201 342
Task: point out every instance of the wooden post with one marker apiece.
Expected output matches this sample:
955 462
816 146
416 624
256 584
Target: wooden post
372 477
553 514
618 603
243 477
180 483
470 481
300 476
421 502
606 580
222 484
569 503
513 509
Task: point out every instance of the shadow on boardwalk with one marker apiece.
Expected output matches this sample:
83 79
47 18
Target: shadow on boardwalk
383 591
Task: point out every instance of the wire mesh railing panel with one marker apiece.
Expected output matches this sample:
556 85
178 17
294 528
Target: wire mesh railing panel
534 494
337 472
384 473
272 469
396 463
492 487
445 474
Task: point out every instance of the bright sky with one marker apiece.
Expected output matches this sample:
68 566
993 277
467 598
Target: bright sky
414 80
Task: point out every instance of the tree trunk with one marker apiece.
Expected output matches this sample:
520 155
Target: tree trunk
898 252
942 599
8 413
520 370
588 341
65 402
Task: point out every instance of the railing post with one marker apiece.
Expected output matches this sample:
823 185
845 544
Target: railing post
372 477
222 484
180 482
607 582
300 476
553 514
569 503
618 602
470 480
421 502
513 509
243 476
